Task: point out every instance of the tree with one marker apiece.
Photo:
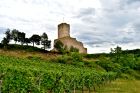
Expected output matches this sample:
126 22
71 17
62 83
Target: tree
117 51
6 39
8 35
27 40
45 42
18 36
44 36
14 34
21 37
5 42
59 46
35 39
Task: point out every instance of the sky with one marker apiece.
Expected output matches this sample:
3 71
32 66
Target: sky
99 24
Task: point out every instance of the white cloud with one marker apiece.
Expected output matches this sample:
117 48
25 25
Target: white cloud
100 24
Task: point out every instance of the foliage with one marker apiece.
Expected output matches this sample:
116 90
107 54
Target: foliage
1 45
24 48
92 64
98 55
36 76
21 37
27 41
18 36
73 49
71 58
35 39
5 42
121 86
120 63
7 38
108 65
59 46
76 57
137 65
117 52
65 59
8 35
128 60
14 35
45 42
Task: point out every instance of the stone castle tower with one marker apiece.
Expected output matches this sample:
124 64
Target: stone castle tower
63 30
64 37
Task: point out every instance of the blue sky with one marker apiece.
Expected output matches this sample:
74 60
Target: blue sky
99 24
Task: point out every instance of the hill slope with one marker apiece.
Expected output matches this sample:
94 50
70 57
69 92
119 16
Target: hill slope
37 72
22 75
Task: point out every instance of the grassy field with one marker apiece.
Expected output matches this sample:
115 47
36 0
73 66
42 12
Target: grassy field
26 54
118 86
121 86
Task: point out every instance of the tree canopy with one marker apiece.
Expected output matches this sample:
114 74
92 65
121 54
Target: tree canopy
45 42
20 37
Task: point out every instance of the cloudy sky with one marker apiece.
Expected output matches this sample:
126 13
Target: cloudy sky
99 24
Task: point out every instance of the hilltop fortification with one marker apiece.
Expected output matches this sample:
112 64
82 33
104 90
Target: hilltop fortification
67 40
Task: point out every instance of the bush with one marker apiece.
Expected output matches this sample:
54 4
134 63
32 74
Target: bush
64 59
108 65
76 57
78 63
96 55
128 61
73 49
59 46
126 76
72 58
91 64
137 66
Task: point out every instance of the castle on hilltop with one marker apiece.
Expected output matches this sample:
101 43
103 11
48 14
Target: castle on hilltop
64 37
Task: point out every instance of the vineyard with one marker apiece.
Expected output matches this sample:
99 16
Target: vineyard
22 75
37 72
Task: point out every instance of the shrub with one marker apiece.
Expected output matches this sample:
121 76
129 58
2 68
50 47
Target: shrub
137 66
126 76
78 63
64 59
108 65
73 49
59 46
90 64
76 57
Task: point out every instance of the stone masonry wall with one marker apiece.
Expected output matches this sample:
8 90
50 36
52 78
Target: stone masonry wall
68 41
63 30
64 37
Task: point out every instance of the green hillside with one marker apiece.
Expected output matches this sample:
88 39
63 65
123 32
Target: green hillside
20 75
23 71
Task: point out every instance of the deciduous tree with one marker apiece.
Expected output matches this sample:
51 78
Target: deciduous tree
14 34
35 39
45 42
